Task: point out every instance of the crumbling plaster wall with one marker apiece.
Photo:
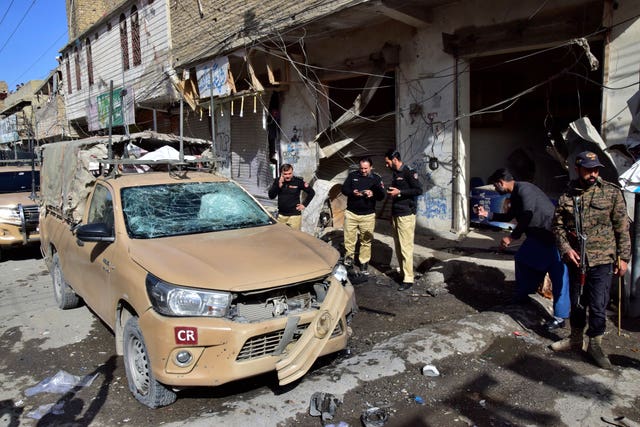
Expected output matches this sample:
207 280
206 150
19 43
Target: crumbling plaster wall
298 127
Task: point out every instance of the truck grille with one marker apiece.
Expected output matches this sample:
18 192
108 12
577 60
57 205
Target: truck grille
265 345
31 217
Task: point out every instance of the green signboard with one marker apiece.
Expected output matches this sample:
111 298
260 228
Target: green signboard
103 109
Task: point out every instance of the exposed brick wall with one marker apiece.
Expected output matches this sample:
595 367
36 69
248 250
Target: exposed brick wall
227 24
82 14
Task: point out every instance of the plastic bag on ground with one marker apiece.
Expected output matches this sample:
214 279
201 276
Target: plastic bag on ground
42 410
62 382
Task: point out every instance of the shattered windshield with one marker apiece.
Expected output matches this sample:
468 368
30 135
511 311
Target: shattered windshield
189 208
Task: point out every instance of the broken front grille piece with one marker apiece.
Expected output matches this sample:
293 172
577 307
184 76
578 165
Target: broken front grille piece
268 344
261 306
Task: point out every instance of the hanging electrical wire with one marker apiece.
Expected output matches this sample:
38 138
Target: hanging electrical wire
17 26
6 12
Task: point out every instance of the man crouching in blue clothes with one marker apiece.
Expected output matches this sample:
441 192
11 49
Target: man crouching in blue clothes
538 255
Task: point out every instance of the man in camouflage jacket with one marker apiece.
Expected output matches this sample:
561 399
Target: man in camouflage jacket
606 226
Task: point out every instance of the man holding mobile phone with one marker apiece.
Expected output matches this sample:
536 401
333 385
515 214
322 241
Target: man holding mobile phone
362 188
287 189
403 191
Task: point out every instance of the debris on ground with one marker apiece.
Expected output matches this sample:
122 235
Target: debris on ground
430 371
62 382
42 410
323 405
374 417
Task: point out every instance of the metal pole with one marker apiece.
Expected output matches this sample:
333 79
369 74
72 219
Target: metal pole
110 156
155 120
212 110
181 130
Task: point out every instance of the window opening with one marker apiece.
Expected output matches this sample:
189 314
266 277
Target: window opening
124 42
76 59
135 37
89 62
68 67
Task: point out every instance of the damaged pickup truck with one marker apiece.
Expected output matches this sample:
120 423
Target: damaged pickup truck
18 206
200 285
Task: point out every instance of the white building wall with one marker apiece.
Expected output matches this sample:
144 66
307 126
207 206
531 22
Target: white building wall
147 80
298 111
623 73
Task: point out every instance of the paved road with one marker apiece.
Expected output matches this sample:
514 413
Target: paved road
488 374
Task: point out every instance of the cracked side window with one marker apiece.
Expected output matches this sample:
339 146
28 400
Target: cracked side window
189 208
101 208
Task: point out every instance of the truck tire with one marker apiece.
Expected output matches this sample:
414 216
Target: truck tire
137 365
65 297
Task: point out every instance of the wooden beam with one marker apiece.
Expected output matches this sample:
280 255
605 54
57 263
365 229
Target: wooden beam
412 16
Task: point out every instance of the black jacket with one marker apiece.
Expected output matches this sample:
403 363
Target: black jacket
405 180
289 195
361 205
532 209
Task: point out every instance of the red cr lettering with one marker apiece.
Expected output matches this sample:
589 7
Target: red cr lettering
186 335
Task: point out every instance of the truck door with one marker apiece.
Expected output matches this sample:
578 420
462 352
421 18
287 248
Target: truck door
93 260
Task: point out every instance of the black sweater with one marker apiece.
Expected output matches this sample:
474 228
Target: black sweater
405 180
289 195
362 205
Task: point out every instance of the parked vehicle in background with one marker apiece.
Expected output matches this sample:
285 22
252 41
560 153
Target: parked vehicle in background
200 285
19 210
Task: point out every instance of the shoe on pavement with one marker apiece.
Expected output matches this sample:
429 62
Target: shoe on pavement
348 261
364 269
554 324
575 342
595 350
405 285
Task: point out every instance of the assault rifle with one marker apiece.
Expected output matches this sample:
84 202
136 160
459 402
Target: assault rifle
582 245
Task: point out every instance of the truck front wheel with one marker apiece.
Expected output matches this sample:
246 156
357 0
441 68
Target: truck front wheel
65 297
137 365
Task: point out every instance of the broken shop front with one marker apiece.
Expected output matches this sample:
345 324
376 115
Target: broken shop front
459 91
457 100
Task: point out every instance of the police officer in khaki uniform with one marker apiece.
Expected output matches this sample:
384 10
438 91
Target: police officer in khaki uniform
362 188
403 191
605 225
287 189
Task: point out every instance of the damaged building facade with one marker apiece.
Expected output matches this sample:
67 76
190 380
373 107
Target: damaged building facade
118 57
459 88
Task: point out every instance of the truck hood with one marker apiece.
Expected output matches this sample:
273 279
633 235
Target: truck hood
12 199
236 260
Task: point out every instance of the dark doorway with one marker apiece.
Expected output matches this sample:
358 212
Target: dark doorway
545 91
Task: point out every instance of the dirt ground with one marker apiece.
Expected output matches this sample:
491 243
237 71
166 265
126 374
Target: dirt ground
470 390
514 381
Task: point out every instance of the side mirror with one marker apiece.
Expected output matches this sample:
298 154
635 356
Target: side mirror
96 232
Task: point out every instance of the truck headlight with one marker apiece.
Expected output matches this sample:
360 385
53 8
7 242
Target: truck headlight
340 273
10 215
172 300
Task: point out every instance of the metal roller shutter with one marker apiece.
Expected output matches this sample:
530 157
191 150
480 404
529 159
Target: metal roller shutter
250 165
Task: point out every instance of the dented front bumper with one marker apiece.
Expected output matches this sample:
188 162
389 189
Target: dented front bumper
225 351
306 350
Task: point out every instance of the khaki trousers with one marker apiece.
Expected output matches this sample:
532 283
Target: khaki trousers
293 221
403 231
353 224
